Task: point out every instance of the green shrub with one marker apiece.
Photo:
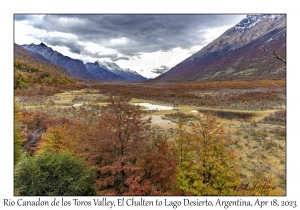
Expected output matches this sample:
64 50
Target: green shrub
54 174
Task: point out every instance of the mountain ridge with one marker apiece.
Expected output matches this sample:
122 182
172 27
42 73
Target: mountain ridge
102 73
102 70
235 51
74 66
128 74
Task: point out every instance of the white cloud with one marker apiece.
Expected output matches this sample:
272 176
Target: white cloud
195 49
65 51
96 49
70 22
149 61
56 35
23 33
213 33
118 41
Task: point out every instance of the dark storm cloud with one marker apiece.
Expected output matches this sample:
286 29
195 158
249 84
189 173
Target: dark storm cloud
120 58
18 17
161 70
132 34
98 54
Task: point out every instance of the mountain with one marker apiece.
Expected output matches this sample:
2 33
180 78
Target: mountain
90 71
75 67
243 52
30 71
101 73
127 74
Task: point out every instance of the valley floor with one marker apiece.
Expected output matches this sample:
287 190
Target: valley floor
253 116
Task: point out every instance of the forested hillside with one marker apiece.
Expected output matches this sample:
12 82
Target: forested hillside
30 71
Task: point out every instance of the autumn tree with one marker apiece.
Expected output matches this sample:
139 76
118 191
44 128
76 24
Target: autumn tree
131 159
18 134
122 124
34 125
63 138
122 136
183 146
159 166
153 172
206 159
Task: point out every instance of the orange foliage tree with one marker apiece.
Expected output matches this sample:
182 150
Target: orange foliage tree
19 137
62 138
125 154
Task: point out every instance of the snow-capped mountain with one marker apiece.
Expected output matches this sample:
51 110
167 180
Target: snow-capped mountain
251 20
101 73
237 53
127 74
91 71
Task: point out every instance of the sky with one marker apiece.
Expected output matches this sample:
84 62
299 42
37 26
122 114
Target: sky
148 44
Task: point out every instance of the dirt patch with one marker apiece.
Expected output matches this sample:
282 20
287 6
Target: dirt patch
158 121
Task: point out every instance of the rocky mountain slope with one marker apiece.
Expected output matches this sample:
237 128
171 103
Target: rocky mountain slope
126 74
102 73
243 52
90 71
75 67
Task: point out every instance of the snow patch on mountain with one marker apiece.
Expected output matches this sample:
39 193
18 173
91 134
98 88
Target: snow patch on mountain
241 34
251 20
113 67
126 73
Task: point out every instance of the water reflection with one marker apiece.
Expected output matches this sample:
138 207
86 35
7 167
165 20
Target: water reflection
148 106
230 115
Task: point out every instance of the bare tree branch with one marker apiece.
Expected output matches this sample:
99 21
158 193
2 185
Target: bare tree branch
277 56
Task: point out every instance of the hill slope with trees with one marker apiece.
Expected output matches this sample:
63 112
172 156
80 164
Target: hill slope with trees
30 71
